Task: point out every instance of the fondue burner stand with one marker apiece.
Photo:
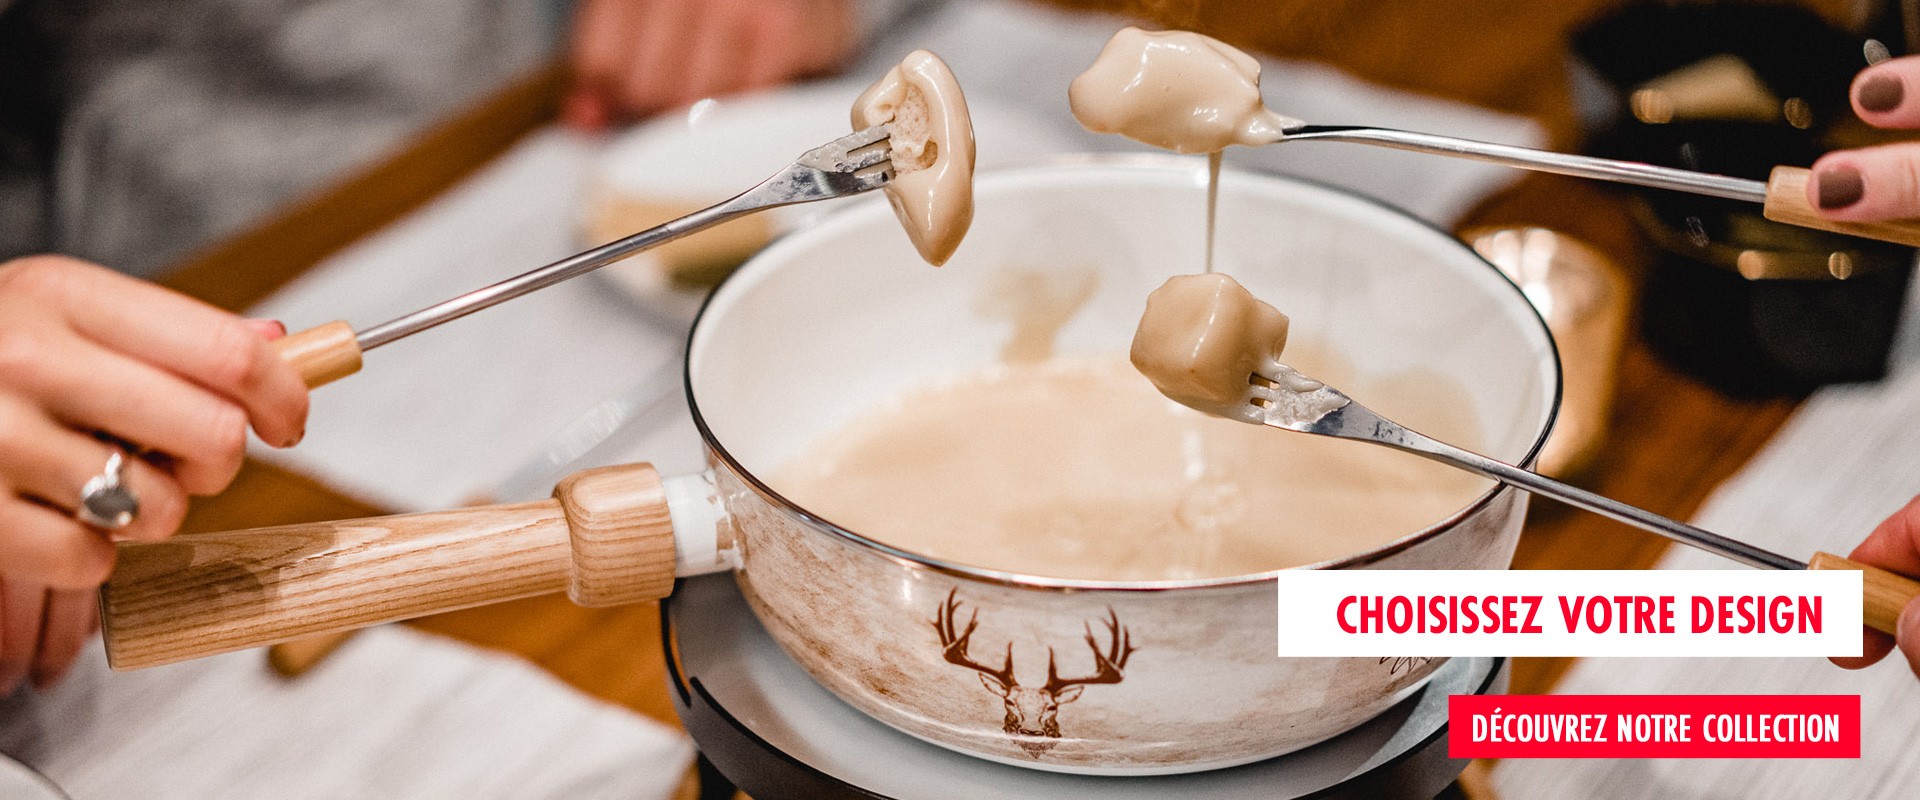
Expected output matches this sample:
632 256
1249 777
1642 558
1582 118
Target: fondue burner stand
764 726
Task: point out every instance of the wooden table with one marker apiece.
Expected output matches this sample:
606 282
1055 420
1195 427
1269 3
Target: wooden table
1666 462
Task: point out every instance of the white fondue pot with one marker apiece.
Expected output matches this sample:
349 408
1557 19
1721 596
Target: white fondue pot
1102 677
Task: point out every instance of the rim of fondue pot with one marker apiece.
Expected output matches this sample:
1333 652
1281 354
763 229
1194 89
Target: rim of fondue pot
743 279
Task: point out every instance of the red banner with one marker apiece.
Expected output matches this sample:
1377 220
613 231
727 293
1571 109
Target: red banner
1654 726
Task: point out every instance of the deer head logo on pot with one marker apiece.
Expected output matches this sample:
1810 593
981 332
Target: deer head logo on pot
1033 711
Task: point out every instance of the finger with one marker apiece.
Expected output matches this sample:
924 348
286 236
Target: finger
51 463
713 66
91 388
195 341
268 329
601 29
820 34
764 51
66 627
1868 184
48 548
1884 94
587 110
591 45
656 55
21 606
1894 544
1909 636
1874 646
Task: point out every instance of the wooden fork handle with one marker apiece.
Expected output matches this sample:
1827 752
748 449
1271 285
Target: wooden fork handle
1886 592
606 538
322 354
1787 202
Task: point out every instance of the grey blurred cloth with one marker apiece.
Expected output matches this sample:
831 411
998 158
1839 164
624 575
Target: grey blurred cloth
132 132
26 135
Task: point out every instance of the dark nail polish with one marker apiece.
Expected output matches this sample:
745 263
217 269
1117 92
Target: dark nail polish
1881 93
1839 187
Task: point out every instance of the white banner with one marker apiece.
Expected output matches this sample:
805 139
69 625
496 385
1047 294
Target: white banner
1382 613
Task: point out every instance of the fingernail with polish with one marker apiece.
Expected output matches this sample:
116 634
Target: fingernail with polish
1881 93
268 329
1839 187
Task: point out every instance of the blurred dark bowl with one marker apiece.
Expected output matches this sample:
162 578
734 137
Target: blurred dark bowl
1753 307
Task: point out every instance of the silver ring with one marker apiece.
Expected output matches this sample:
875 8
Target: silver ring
107 502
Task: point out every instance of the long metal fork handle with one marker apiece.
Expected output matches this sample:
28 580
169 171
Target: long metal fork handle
1640 518
1606 169
845 166
567 268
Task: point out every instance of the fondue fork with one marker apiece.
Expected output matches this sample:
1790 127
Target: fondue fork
1280 397
1783 196
853 164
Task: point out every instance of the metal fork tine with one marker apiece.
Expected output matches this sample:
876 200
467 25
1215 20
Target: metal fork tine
839 149
859 139
866 158
855 151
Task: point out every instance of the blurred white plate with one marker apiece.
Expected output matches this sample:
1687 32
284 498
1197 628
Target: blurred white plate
718 148
17 782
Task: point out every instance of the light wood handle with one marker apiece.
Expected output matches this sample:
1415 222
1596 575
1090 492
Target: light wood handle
1886 592
621 532
203 594
322 354
1787 202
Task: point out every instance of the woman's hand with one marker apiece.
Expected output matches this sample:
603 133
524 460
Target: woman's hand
86 351
1875 183
1866 185
1895 546
632 58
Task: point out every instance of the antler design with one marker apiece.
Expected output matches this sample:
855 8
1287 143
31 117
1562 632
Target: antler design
1108 666
954 642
